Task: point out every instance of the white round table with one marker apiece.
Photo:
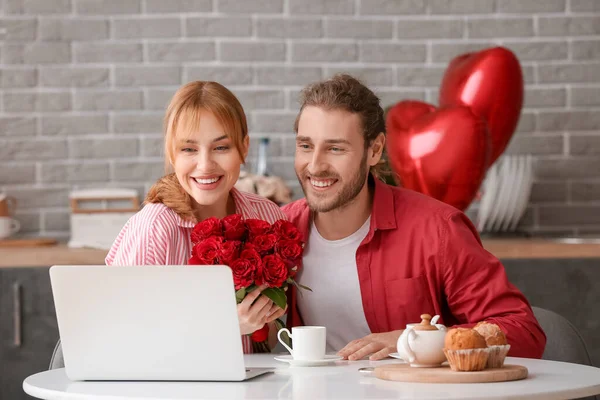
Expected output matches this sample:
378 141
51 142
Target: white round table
342 380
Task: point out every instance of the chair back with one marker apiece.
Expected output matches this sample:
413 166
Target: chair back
563 340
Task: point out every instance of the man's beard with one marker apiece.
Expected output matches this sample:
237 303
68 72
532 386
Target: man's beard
346 195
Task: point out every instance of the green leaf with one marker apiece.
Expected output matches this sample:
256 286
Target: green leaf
304 287
251 288
240 294
299 286
279 324
277 295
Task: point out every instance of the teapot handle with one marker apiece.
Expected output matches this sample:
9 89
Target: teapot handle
406 347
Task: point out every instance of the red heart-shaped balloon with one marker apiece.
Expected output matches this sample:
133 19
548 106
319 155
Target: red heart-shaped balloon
443 153
490 82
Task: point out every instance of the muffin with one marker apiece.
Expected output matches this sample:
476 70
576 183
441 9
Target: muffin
465 349
496 342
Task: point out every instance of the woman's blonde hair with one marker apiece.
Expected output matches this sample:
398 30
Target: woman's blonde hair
183 115
182 118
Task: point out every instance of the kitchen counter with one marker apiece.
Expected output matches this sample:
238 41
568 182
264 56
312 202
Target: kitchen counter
501 248
45 256
507 249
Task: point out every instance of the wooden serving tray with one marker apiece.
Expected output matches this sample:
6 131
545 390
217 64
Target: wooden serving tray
406 373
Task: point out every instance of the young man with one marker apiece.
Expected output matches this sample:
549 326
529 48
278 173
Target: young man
377 256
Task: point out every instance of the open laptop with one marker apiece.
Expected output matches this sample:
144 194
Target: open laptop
167 323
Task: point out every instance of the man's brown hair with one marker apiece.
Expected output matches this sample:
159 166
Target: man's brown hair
344 92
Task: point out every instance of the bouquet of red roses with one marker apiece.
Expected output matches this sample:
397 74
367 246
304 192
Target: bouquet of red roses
258 253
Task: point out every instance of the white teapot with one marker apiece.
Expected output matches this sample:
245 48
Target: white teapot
422 345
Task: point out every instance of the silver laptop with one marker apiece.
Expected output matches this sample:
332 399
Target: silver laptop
168 323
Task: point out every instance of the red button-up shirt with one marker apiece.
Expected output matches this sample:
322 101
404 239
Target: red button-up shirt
424 256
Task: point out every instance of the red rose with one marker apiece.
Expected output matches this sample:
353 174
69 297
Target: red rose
194 261
293 270
234 227
265 243
205 229
260 335
286 230
245 268
257 227
230 251
208 250
244 272
290 251
249 246
252 255
273 273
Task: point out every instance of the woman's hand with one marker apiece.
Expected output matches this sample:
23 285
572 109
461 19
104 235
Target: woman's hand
276 312
255 311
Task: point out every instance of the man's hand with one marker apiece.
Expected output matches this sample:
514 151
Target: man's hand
379 345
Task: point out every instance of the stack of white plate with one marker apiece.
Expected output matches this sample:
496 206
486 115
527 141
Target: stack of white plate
506 191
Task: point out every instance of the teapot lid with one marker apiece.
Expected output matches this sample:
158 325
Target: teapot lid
425 324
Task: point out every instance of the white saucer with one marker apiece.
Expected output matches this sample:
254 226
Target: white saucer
308 363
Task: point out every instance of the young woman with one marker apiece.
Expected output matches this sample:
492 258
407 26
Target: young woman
206 142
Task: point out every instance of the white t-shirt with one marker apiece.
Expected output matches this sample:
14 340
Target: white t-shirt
329 269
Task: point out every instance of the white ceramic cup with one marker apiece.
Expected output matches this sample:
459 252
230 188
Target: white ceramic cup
308 342
8 226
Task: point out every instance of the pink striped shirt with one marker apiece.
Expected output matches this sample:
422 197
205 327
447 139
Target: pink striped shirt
157 235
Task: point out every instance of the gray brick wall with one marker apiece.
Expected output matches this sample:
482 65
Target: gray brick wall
84 84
